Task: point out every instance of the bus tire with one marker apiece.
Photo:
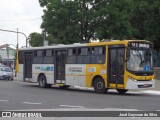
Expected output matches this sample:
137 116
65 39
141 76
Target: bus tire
43 81
64 86
99 85
122 91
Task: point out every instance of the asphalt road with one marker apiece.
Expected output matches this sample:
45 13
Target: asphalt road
15 95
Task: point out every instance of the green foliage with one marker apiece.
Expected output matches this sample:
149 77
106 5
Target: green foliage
114 19
60 21
70 21
35 39
146 20
77 20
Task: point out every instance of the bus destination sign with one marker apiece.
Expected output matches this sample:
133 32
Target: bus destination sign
139 44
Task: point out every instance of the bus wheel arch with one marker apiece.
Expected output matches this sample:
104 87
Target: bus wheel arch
42 80
99 84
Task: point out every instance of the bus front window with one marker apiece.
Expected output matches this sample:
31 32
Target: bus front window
140 60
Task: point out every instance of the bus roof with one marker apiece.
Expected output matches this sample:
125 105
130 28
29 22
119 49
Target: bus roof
125 42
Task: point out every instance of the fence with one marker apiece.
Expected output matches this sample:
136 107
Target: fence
156 63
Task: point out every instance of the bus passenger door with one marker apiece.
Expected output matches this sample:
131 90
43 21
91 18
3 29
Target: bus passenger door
116 67
60 66
28 65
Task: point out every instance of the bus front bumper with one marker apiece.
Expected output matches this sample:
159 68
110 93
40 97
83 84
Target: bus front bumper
134 84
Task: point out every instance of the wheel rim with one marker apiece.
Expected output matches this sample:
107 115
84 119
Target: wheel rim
99 85
42 81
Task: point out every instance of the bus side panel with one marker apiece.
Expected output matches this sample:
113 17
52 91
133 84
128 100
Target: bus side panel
76 75
20 73
95 70
46 69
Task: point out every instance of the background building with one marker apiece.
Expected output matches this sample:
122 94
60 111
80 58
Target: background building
7 55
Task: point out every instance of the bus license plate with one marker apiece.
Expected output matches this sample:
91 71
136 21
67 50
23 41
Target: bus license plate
144 86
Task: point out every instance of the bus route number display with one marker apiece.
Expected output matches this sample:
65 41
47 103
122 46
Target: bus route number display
140 45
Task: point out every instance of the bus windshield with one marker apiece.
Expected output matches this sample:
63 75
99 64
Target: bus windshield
140 60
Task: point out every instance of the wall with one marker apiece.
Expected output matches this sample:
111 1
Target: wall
11 53
157 73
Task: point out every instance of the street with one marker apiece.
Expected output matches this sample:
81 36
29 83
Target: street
15 95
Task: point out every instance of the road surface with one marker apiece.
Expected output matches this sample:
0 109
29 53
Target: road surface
15 95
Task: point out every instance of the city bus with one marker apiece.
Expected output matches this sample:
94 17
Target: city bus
116 64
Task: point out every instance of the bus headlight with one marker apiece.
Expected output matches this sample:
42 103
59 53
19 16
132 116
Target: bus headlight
131 78
152 79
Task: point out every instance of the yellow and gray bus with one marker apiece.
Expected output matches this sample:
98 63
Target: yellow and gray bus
120 65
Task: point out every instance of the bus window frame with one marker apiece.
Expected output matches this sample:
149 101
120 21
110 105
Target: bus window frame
83 55
90 54
45 56
35 57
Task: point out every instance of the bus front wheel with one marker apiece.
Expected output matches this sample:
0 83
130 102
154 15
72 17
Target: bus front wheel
122 91
43 81
99 85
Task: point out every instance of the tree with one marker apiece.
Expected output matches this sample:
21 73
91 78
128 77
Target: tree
36 39
146 20
73 21
114 19
59 20
152 25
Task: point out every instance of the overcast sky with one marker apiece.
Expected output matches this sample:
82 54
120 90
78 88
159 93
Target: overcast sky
22 14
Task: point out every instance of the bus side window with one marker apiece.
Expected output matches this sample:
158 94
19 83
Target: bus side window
98 54
38 57
84 51
72 52
48 53
79 51
104 51
93 57
48 57
83 55
35 53
71 59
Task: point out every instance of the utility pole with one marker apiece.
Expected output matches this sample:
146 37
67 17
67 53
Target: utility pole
17 33
7 50
45 42
17 39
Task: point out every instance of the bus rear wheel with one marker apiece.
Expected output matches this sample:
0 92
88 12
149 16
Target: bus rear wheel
122 91
99 85
43 81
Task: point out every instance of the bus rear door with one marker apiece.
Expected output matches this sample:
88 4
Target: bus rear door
28 65
60 66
